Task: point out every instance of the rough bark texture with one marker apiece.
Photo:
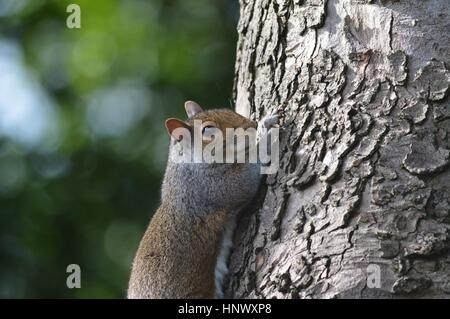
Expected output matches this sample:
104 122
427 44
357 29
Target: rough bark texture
364 177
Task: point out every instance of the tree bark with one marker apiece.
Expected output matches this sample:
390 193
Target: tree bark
360 206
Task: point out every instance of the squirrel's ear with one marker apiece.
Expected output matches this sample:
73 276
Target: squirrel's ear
192 108
176 128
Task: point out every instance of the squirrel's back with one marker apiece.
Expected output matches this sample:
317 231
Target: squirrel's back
179 253
184 274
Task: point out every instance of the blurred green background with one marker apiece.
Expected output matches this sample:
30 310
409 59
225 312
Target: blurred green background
82 139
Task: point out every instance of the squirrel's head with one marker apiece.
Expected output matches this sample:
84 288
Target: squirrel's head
215 152
222 132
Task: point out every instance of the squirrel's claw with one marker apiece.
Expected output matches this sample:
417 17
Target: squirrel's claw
274 119
271 121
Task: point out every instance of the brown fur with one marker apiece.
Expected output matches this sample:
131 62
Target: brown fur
178 254
224 119
165 249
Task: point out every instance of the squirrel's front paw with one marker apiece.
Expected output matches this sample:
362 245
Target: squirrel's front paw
273 119
267 123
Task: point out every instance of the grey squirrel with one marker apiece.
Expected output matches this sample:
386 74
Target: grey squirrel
184 251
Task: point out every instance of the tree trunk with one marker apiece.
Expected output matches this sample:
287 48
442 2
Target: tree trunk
360 206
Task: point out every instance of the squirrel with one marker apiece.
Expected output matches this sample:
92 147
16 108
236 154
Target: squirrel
184 251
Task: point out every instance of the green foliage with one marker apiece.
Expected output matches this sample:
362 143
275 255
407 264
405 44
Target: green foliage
80 177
